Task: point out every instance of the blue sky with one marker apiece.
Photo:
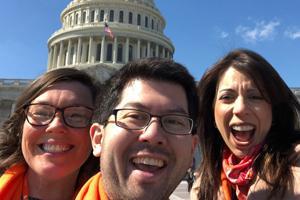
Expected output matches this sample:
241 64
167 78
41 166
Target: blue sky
202 31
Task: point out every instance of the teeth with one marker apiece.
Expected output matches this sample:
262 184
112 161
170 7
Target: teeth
243 128
55 148
148 161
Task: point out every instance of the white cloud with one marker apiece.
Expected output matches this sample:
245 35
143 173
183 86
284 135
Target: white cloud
293 33
260 32
224 34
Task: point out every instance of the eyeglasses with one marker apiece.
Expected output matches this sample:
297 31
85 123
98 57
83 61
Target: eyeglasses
73 116
133 119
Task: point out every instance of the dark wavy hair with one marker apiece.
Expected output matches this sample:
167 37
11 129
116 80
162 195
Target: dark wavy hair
273 164
11 130
148 69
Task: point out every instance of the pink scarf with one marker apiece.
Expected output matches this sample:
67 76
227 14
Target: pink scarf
241 174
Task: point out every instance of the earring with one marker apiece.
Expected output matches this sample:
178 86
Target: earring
97 150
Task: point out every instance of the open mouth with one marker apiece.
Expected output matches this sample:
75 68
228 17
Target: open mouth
243 133
55 148
148 164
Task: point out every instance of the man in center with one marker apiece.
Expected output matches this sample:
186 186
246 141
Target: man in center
145 135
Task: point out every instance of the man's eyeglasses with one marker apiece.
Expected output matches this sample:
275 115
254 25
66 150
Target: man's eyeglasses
133 119
73 116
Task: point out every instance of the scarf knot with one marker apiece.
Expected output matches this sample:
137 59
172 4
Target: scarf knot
239 173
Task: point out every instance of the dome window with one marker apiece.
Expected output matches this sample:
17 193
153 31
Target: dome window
138 19
130 18
121 15
111 15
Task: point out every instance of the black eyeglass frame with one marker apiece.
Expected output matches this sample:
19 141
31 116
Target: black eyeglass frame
115 111
62 114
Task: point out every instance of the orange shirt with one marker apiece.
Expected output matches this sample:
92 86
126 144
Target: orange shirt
13 183
93 189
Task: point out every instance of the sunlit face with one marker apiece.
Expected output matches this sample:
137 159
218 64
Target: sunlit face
148 163
56 151
242 115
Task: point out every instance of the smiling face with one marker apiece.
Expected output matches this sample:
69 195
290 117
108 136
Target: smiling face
242 115
148 163
56 151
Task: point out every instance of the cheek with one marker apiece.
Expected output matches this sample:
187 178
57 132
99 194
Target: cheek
221 115
29 137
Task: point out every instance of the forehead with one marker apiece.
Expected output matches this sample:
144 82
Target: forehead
154 94
66 91
234 77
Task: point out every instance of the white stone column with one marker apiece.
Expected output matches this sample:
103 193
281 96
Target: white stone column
91 58
148 49
156 50
78 52
50 54
68 52
54 59
60 56
138 50
126 50
102 49
84 53
115 50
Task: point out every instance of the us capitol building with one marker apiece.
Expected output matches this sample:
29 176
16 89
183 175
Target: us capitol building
137 32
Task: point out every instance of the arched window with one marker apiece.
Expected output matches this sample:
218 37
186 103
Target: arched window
76 18
120 53
138 19
109 52
71 19
111 15
130 56
92 15
130 18
98 52
84 17
121 16
146 22
101 16
152 24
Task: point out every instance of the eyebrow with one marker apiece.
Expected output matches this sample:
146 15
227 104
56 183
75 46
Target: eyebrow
137 105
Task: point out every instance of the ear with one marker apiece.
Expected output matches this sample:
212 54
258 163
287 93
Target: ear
96 134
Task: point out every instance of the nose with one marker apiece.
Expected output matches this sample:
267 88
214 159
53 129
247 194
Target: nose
57 124
240 106
153 133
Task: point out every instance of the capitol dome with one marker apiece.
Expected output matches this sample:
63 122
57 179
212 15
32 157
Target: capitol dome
137 31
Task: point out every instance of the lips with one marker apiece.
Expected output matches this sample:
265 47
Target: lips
55 148
243 133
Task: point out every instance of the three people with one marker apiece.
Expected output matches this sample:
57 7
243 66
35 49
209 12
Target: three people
145 137
45 148
248 129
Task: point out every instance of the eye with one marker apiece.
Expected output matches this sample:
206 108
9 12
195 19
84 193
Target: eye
40 113
226 97
77 117
255 96
135 116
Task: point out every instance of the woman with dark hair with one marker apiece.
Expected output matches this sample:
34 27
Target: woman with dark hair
45 148
249 132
